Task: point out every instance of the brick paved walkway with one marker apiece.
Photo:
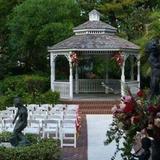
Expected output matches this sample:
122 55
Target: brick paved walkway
79 153
86 107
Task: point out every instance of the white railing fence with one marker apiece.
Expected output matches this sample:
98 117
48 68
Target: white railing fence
90 85
132 85
95 85
63 88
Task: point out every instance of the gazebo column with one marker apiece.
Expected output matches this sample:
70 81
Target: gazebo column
132 67
52 63
70 79
138 70
107 70
76 80
106 80
123 76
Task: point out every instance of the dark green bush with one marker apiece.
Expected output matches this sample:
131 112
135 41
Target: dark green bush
44 150
4 101
31 88
24 84
50 97
5 137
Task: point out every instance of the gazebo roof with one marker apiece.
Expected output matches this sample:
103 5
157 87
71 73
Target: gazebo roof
94 35
95 25
94 42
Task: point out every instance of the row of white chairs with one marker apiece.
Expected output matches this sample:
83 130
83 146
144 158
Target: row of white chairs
58 122
42 110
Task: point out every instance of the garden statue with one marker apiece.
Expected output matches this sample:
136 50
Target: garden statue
153 50
18 138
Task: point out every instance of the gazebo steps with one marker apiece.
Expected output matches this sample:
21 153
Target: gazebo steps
93 107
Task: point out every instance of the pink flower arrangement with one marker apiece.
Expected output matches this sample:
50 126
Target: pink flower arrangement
74 58
118 58
135 114
137 110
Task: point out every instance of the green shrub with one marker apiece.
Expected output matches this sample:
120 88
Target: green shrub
5 101
24 84
31 88
44 150
50 97
5 137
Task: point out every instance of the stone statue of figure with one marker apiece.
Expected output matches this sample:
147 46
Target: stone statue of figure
18 138
153 50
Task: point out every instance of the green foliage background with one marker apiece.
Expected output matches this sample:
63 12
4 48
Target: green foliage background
27 27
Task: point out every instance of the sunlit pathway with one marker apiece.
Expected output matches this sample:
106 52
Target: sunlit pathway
97 126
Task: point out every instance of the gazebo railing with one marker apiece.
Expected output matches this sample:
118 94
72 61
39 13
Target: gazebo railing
63 88
95 85
90 85
133 86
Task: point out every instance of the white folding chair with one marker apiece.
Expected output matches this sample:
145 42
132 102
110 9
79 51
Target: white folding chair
33 127
73 107
32 107
70 117
1 126
41 110
39 117
59 107
46 106
6 114
13 110
50 127
8 125
57 118
68 132
70 112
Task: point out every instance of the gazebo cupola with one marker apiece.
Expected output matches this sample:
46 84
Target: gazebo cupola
94 15
94 26
94 37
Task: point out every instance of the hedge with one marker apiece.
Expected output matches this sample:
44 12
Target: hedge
31 88
24 84
47 149
5 137
48 97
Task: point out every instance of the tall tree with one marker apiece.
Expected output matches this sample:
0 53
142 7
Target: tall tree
34 25
6 7
129 16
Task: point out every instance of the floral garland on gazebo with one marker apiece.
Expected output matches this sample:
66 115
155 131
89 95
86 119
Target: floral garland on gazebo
136 120
74 58
118 57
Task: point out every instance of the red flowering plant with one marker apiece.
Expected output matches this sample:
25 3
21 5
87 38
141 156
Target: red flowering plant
118 57
135 115
74 58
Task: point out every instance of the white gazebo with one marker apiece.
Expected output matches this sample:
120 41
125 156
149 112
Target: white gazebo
94 37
